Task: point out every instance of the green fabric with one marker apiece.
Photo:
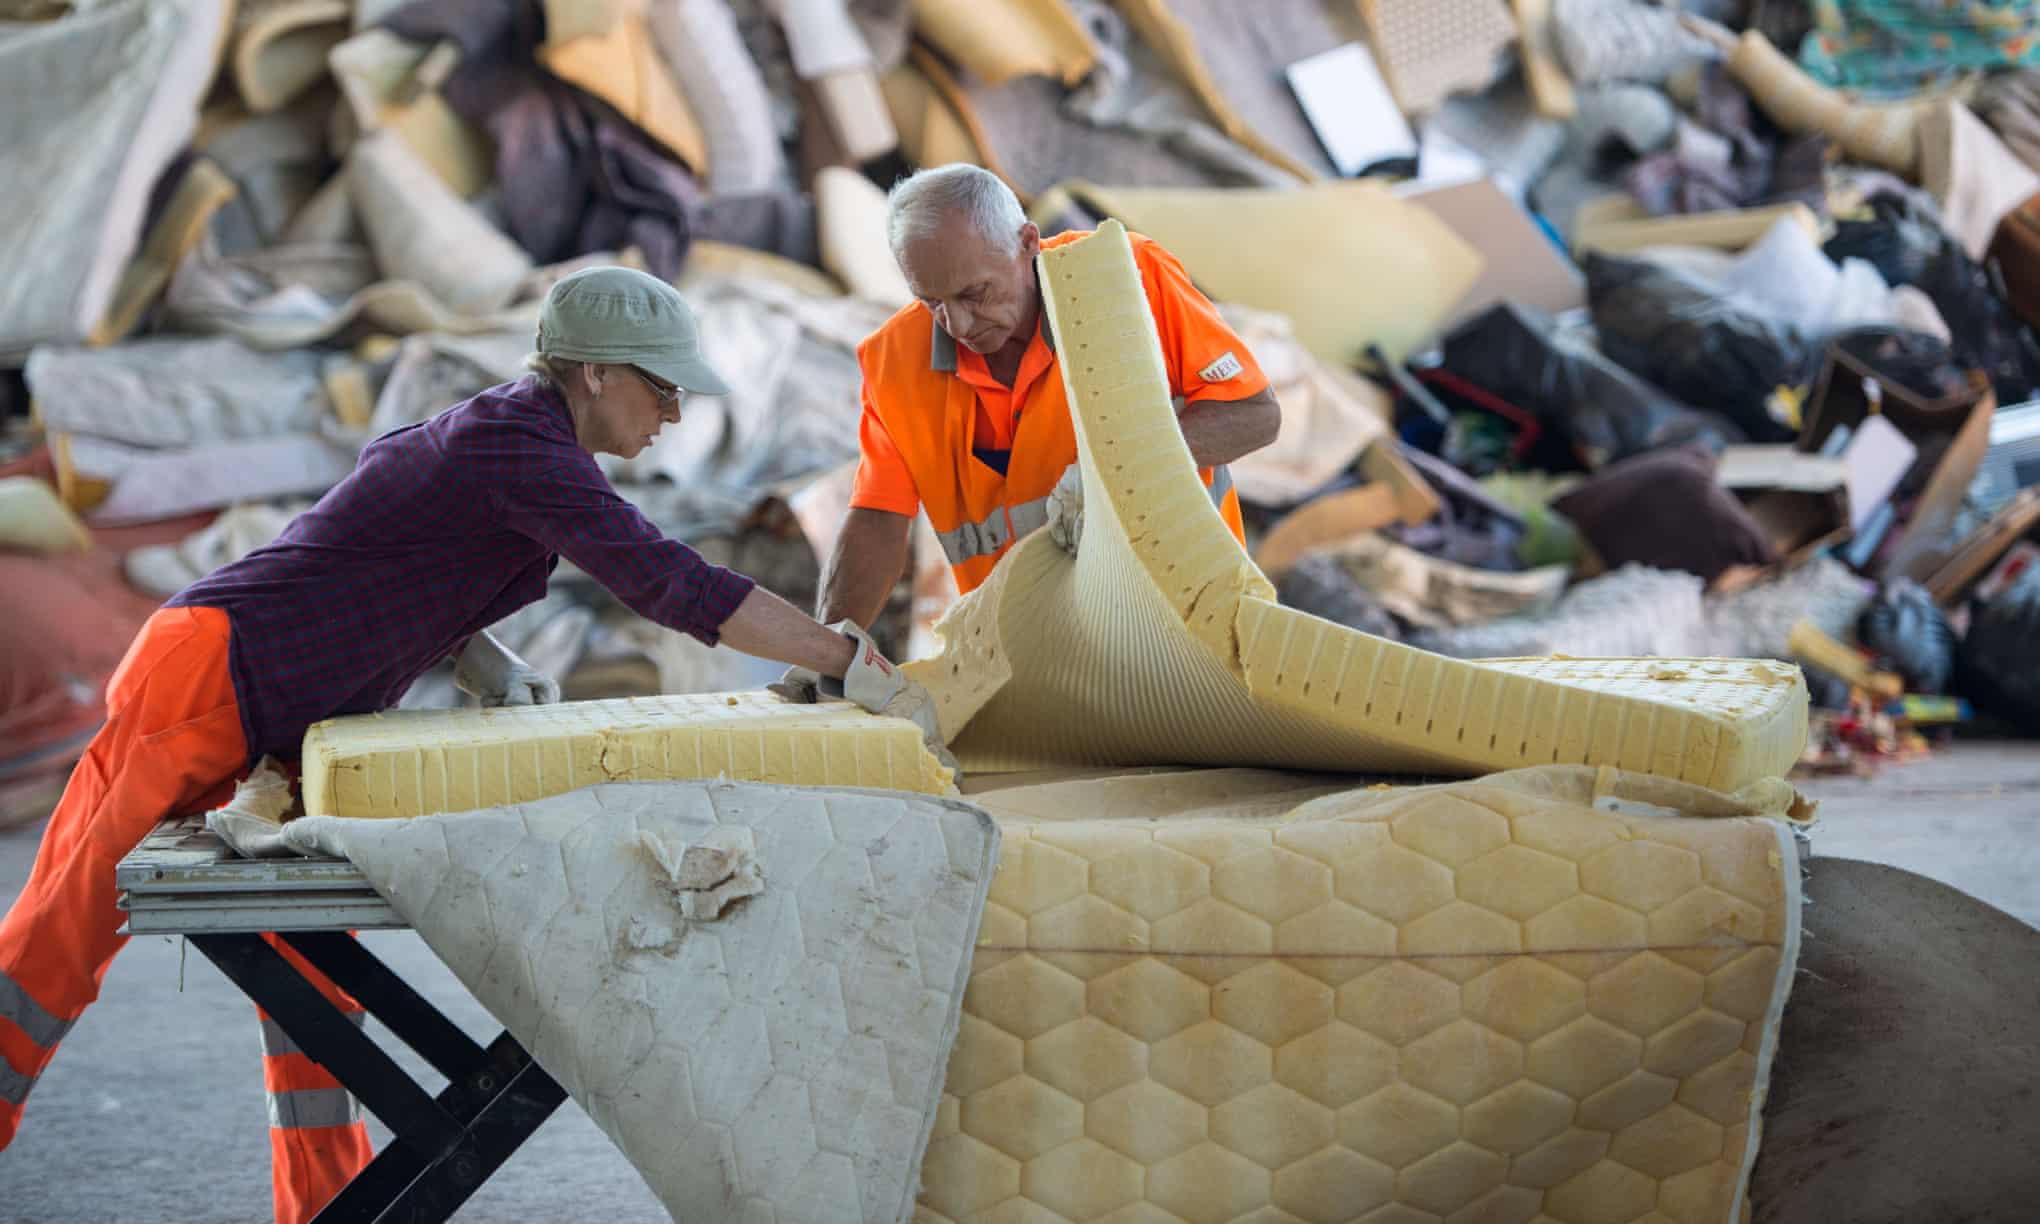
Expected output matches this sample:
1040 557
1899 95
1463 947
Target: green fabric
621 316
1899 46
1549 538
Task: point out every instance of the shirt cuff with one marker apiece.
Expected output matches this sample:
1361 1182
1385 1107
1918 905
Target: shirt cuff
722 590
907 505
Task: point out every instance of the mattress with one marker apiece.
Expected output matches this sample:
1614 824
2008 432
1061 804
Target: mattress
1548 995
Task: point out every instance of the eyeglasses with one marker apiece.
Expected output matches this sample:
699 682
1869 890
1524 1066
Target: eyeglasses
668 396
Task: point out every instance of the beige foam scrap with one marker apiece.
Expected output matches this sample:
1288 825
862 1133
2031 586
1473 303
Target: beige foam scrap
328 217
1618 225
1884 134
1432 49
708 259
1349 263
387 82
624 68
200 194
850 213
33 518
854 107
1328 520
1329 414
1974 177
1416 501
998 40
1551 89
421 231
566 20
931 131
1172 38
280 47
1159 642
347 386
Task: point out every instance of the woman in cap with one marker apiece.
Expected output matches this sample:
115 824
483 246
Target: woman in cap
442 529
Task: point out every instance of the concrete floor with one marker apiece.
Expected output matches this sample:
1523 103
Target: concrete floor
154 1108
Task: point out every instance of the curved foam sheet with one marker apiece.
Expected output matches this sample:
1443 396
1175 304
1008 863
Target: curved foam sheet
1160 642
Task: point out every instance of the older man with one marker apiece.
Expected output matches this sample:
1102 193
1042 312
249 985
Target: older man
442 529
964 409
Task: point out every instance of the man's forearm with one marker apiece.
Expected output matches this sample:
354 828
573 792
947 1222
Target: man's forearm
771 628
1220 431
869 557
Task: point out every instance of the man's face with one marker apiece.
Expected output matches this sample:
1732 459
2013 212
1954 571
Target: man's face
981 295
630 407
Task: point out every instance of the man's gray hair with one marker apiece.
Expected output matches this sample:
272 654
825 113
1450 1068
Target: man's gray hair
918 205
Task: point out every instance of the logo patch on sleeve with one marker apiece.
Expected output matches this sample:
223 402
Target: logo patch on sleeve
1227 366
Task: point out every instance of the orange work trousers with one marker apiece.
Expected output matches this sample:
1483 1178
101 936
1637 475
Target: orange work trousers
172 743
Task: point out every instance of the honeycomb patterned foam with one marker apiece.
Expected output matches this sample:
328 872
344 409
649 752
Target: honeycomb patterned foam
1544 997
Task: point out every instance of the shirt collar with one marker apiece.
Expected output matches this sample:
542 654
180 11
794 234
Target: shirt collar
942 345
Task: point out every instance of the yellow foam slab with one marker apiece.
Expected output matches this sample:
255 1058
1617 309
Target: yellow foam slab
1552 994
411 762
1161 643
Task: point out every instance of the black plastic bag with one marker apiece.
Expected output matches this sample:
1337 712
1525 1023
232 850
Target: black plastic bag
1898 240
1987 335
1605 412
1905 628
1686 337
1997 666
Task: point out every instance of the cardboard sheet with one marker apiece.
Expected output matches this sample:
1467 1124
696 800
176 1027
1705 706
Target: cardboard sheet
1519 262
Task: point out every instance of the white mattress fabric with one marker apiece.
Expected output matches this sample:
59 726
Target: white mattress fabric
753 990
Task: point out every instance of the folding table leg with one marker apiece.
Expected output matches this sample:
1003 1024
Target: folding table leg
447 1145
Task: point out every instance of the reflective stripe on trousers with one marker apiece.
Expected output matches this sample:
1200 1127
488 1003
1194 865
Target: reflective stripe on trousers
306 1108
990 534
42 1028
276 1043
310 1108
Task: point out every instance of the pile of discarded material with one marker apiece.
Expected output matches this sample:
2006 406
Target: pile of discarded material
1660 414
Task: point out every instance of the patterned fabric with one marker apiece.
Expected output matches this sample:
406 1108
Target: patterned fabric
1896 46
444 528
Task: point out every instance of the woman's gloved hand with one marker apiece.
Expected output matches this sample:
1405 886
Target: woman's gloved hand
488 671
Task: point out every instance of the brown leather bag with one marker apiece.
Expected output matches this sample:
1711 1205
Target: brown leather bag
2015 248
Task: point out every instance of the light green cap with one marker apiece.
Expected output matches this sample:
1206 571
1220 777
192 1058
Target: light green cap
621 316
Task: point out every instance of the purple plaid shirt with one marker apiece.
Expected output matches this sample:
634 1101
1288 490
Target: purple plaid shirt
442 529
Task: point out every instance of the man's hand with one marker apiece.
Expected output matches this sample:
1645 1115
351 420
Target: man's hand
1066 509
874 683
487 670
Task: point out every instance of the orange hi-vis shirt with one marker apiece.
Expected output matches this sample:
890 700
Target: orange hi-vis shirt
940 433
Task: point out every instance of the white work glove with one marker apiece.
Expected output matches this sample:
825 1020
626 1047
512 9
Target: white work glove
799 685
874 683
1066 509
487 670
252 821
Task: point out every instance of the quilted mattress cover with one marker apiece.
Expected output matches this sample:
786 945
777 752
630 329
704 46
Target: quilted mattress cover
1548 995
